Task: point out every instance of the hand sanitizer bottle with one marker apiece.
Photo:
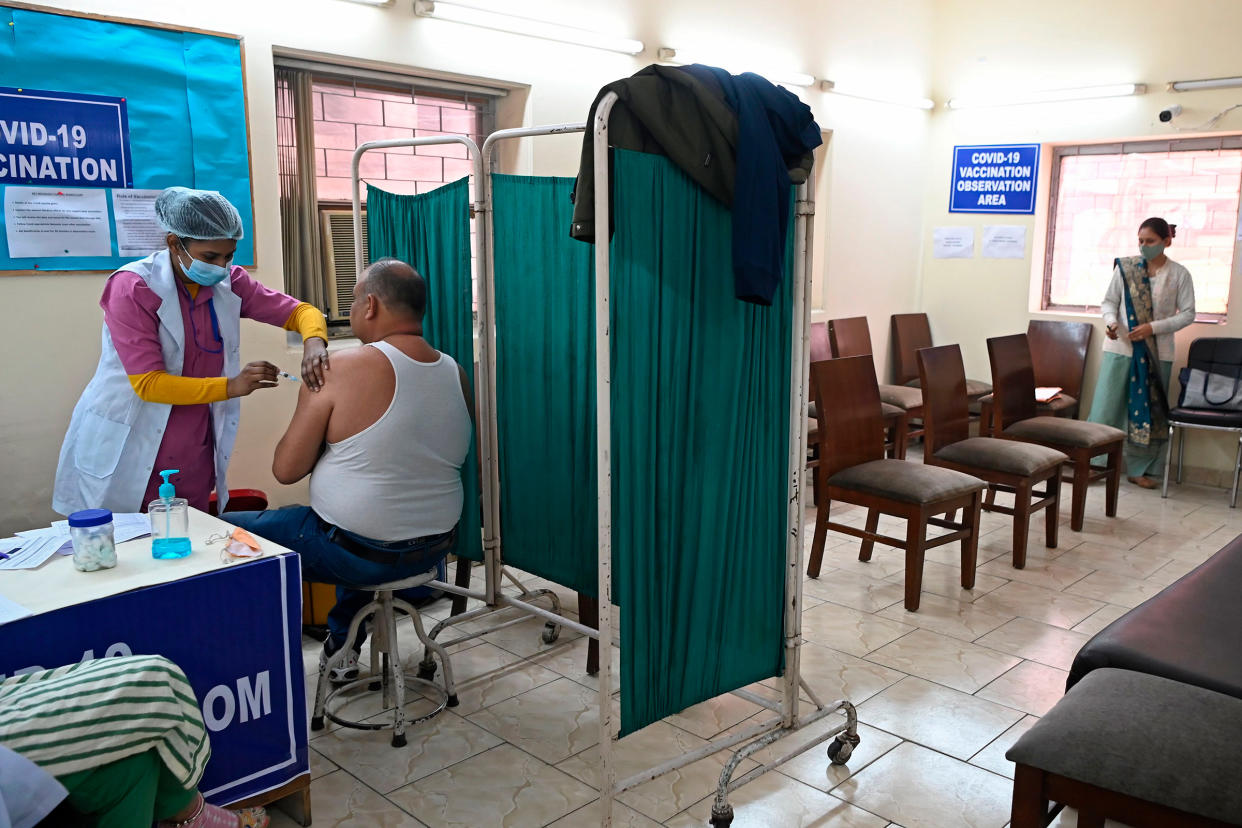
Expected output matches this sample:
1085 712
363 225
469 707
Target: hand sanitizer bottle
170 521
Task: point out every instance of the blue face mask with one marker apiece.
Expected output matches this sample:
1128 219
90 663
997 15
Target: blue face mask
201 272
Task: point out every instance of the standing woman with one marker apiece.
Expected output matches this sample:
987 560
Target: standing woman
165 392
1149 298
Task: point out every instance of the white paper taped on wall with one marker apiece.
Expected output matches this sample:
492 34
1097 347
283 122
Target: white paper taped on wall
138 232
45 221
954 242
1004 241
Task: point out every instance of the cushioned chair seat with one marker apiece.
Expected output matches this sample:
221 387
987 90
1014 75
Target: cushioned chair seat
886 410
974 388
1207 417
1065 432
1178 748
905 481
1008 456
1187 632
901 396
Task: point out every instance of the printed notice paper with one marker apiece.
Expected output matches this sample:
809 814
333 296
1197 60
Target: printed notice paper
42 221
1004 241
954 242
138 232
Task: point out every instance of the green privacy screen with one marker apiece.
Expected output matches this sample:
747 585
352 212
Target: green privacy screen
545 382
432 233
700 400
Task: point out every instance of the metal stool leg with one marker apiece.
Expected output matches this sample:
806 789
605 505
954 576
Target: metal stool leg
397 672
431 646
334 660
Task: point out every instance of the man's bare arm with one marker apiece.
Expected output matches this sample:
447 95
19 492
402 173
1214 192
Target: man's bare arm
299 450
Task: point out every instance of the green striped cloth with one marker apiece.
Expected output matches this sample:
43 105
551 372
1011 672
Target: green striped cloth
85 715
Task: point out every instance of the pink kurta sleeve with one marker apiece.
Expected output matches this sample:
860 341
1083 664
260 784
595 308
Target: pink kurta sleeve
130 311
259 302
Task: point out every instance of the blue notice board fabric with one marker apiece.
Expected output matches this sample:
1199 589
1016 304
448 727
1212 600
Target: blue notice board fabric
994 178
184 94
236 633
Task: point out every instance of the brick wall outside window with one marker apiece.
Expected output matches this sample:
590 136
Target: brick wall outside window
1102 199
347 114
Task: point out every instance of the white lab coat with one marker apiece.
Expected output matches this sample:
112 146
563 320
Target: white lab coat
110 448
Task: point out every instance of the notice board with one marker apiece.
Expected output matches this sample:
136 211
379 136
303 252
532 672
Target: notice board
96 117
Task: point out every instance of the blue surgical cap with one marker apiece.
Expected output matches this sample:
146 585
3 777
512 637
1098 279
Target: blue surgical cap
197 214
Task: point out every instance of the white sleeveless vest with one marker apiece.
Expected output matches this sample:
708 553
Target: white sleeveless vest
109 451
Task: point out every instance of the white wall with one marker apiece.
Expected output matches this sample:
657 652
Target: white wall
1066 44
875 160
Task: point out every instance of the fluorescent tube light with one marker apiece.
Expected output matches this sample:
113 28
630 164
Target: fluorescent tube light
877 97
1116 90
1207 83
679 57
529 26
372 2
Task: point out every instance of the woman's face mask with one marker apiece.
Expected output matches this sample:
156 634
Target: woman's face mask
1151 251
201 272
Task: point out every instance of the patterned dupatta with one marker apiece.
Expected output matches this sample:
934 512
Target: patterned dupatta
1146 403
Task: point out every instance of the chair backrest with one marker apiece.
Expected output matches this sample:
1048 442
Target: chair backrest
1216 355
946 411
911 331
1059 353
1013 378
821 348
847 407
849 337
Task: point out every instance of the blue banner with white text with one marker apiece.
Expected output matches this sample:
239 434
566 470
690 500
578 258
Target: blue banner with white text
994 178
235 632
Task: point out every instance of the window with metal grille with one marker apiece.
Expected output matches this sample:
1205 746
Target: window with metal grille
322 117
1101 194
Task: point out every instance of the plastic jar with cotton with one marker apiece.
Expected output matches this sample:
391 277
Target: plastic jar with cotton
94 546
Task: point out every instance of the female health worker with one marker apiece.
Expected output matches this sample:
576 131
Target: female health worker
165 394
1149 298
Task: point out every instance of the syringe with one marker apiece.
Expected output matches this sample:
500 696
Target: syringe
288 376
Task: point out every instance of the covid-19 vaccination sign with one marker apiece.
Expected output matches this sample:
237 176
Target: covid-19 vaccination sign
63 139
996 178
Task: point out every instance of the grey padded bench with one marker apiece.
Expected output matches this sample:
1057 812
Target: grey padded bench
1133 747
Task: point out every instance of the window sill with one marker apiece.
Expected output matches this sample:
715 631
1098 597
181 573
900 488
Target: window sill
1202 319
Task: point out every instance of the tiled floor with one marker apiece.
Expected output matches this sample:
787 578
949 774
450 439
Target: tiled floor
942 693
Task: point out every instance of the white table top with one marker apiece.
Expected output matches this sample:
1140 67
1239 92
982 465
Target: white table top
57 584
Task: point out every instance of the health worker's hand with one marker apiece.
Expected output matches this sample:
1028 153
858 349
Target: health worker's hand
1141 332
1111 331
252 377
314 363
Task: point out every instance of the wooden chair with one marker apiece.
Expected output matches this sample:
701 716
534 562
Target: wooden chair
1004 465
852 469
896 424
851 338
911 333
1059 358
1017 419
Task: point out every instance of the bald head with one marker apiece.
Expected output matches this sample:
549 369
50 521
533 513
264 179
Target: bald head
399 287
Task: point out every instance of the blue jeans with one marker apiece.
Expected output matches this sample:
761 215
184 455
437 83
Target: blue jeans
323 561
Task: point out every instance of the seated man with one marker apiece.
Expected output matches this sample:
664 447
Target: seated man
384 440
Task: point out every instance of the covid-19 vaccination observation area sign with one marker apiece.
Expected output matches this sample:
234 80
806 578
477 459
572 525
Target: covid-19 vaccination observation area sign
996 178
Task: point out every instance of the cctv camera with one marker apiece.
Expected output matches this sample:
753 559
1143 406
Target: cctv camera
1169 113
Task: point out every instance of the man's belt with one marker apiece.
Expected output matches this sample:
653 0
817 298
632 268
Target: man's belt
383 556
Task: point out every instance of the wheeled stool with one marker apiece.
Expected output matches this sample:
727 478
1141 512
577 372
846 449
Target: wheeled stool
391 677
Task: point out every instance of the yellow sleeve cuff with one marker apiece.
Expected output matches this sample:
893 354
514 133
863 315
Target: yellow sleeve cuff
309 321
163 387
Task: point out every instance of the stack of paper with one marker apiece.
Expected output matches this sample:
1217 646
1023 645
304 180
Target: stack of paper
32 548
1045 394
